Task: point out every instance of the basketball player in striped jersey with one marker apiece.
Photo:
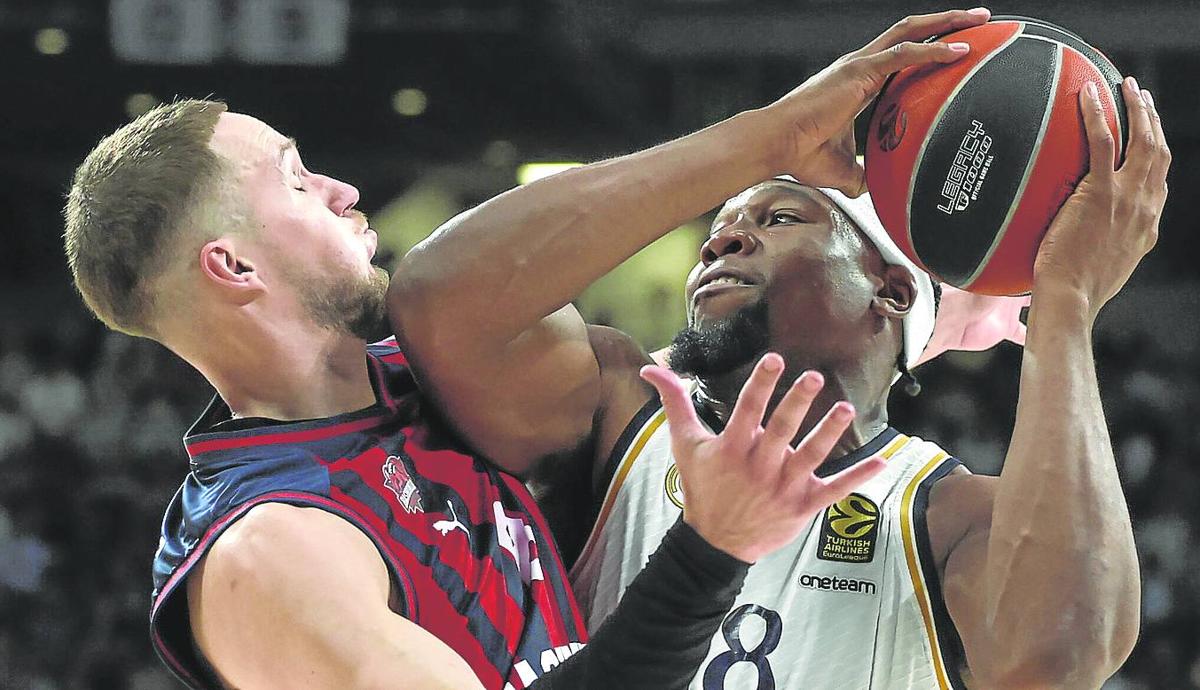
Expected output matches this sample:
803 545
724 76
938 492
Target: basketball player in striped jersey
928 576
331 533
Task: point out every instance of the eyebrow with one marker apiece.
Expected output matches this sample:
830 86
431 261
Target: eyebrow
288 144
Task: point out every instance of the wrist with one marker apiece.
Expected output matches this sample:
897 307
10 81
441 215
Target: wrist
699 549
703 540
773 132
1064 304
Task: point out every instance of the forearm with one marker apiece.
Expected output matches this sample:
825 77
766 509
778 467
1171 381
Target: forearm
661 631
535 248
1062 574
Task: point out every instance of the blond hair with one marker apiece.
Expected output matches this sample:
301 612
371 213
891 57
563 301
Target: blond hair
133 196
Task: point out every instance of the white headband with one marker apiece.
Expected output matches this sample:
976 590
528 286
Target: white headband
918 324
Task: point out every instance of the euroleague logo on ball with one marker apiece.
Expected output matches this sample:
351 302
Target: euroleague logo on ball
892 127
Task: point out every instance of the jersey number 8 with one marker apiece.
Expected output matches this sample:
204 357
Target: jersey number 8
731 630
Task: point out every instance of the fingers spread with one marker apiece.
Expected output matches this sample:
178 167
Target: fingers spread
790 413
922 26
841 484
1101 149
685 425
752 402
815 447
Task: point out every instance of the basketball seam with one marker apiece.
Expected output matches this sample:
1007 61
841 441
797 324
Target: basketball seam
912 181
1098 60
1047 39
1033 158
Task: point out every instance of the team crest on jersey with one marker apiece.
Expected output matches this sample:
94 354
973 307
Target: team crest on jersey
396 478
674 487
849 530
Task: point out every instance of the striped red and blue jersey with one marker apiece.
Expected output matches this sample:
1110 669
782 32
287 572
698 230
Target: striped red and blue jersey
467 548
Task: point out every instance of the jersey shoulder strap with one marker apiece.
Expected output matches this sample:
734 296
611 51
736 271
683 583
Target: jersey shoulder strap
926 464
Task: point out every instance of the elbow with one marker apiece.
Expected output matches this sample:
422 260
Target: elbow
419 291
412 287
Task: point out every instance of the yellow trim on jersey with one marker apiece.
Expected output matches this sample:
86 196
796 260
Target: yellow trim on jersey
894 447
914 567
610 497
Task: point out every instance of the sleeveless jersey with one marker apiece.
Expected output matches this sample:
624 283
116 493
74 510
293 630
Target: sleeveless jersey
468 551
853 603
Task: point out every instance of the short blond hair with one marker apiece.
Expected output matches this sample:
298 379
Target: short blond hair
134 194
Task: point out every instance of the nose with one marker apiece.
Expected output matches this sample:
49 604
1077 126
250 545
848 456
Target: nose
730 240
339 196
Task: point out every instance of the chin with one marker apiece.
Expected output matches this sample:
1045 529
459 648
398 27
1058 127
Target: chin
713 345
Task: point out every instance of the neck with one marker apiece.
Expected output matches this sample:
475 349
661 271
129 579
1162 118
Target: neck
850 382
285 372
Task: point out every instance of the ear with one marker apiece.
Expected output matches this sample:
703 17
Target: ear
221 265
895 295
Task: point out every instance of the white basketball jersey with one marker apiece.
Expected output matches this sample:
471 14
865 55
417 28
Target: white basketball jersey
853 603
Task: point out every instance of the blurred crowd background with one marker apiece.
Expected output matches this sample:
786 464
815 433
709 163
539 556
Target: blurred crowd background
429 108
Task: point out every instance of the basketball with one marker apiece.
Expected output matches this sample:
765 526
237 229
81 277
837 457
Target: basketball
968 163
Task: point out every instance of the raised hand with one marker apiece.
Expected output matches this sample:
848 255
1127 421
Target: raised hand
966 321
818 116
747 490
1111 220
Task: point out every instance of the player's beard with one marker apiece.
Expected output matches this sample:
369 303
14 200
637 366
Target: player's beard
722 347
348 304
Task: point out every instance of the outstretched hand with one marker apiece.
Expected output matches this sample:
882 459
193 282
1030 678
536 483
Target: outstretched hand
748 491
967 321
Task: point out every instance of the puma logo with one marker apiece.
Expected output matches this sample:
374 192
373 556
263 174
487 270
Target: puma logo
448 526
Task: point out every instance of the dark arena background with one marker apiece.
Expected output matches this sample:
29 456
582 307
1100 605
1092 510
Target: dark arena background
429 107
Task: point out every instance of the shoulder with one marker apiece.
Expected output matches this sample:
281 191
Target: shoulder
623 392
615 348
298 597
276 560
266 546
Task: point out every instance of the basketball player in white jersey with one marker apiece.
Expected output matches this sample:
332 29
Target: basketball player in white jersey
929 577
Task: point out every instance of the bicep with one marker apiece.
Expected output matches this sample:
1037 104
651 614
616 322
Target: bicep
534 396
298 597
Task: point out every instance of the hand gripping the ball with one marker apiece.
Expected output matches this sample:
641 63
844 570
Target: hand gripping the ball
1111 219
817 118
748 491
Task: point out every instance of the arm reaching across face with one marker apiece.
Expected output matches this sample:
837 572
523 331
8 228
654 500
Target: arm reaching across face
482 307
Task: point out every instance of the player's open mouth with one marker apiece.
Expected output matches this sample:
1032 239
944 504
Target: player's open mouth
720 281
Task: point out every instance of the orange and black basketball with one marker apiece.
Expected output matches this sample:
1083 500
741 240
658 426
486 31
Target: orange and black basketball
967 163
